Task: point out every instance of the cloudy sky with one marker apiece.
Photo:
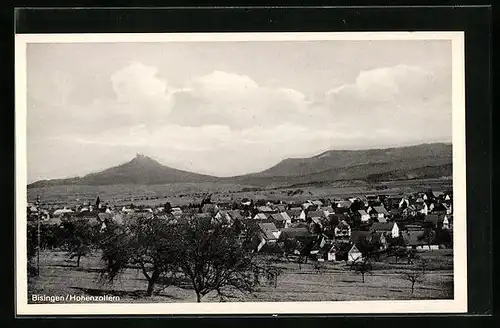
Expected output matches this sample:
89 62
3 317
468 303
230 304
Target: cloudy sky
229 108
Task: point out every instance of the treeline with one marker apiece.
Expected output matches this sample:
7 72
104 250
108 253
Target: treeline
206 256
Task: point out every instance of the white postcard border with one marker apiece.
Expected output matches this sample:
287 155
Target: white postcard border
456 305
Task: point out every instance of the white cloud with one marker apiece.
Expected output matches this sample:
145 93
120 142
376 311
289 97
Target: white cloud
238 102
137 82
224 123
407 102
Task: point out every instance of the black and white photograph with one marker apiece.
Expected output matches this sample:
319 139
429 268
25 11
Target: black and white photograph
240 173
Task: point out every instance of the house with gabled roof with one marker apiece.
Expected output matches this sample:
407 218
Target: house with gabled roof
437 208
417 240
411 210
327 210
103 216
378 212
223 217
346 204
354 254
295 233
340 252
311 214
294 214
266 209
62 211
319 221
342 230
281 220
260 216
404 203
176 210
280 208
448 207
317 203
235 215
365 217
270 232
209 208
388 228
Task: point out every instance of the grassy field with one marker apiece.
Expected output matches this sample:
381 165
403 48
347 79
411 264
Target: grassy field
184 193
58 276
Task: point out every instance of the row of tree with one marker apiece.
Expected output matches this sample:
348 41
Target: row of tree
198 253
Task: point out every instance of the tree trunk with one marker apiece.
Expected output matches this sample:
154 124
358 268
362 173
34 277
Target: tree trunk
78 260
412 287
151 285
198 297
363 276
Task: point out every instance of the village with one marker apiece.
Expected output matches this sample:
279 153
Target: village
323 230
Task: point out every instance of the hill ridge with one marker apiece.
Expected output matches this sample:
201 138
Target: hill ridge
328 165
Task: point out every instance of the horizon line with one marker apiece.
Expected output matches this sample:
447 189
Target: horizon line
240 175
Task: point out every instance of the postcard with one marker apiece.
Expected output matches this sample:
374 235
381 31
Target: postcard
240 173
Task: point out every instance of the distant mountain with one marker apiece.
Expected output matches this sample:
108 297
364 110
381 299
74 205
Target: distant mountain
425 154
140 170
370 165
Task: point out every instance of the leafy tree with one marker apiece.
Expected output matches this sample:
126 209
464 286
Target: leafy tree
395 241
145 244
211 257
423 264
445 237
31 247
260 202
412 255
167 208
80 236
398 253
306 244
290 246
429 236
356 205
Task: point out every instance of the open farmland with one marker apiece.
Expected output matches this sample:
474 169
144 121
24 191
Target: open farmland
58 276
185 193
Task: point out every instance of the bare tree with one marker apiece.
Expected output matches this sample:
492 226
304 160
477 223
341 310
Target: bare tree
414 276
362 266
423 264
319 266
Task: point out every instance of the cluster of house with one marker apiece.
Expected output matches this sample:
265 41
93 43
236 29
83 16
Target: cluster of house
336 229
